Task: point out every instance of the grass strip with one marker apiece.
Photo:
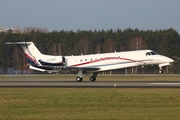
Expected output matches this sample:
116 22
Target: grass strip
90 103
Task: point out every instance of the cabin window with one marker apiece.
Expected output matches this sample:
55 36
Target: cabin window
85 59
81 60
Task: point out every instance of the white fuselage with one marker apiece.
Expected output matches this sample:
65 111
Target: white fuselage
117 60
98 62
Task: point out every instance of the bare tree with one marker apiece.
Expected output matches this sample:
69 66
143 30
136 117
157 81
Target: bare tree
137 43
56 49
98 48
84 45
109 45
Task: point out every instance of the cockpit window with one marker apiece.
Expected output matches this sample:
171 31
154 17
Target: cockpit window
148 53
151 53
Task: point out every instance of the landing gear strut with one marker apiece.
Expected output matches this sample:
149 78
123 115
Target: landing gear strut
160 70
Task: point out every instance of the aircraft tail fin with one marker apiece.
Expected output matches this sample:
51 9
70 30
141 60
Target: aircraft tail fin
31 52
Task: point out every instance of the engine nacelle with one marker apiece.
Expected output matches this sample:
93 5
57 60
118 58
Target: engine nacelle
53 61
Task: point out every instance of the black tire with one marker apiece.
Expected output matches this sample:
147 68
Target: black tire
79 79
160 72
92 78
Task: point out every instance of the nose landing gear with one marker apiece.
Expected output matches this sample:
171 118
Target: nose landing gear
160 70
79 79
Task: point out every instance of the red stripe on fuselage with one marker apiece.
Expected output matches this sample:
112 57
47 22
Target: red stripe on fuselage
103 59
30 58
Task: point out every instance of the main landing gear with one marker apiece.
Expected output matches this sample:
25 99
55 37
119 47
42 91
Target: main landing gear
93 77
79 78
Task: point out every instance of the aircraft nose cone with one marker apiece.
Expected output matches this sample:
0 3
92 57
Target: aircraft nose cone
170 60
166 59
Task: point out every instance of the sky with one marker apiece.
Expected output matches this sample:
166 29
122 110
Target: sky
90 14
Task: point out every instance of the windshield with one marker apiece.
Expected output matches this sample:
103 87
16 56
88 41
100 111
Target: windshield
151 53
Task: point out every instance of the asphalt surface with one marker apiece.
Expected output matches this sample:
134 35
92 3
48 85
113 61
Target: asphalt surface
88 84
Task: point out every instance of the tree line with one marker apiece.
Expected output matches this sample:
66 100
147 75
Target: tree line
165 42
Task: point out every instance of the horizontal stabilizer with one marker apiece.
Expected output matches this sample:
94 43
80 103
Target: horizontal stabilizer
20 43
35 68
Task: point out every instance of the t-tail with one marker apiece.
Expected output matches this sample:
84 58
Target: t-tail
31 52
37 60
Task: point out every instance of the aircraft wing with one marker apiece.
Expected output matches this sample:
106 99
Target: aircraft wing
83 68
72 68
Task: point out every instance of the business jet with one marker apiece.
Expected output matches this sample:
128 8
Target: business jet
91 64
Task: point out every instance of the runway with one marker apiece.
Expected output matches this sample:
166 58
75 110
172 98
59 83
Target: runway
88 84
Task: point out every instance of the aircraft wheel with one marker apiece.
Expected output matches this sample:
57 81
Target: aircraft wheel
160 72
92 78
79 79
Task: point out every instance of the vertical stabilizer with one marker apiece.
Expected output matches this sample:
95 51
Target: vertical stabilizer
31 52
